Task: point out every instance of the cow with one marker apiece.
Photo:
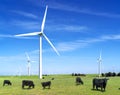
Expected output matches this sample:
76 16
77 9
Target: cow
52 78
7 82
46 84
28 83
78 81
100 83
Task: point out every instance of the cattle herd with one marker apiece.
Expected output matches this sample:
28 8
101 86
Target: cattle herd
96 83
29 84
78 74
110 74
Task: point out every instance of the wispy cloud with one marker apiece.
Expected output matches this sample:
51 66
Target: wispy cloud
77 44
21 24
73 45
26 24
70 46
111 37
104 14
69 28
6 36
88 11
59 27
74 28
25 14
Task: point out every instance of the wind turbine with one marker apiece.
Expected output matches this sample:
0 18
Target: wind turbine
29 63
99 64
19 71
41 34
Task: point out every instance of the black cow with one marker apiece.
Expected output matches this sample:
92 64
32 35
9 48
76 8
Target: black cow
78 81
100 83
28 83
46 84
7 82
52 78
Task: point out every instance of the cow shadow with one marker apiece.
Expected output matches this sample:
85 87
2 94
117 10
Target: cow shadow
46 88
77 84
27 88
98 90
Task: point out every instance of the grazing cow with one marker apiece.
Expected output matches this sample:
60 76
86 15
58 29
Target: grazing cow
78 81
7 82
28 83
45 84
100 83
52 78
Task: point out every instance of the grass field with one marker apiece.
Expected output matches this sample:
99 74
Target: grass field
61 85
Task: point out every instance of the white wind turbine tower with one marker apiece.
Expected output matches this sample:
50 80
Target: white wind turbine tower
29 63
41 34
19 71
99 64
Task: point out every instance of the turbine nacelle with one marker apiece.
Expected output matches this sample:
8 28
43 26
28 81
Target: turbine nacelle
28 61
99 60
40 34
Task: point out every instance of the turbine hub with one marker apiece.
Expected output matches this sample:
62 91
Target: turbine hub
40 34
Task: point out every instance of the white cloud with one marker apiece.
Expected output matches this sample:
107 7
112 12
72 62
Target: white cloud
6 36
68 28
26 24
73 28
70 46
73 45
50 27
73 8
111 37
25 14
13 65
104 14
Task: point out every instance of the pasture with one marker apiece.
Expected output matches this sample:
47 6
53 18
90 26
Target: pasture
61 85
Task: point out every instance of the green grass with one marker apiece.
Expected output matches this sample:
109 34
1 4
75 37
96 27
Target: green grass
61 85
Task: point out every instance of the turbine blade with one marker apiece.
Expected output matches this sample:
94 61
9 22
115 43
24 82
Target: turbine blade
51 44
33 61
29 34
100 56
44 18
28 58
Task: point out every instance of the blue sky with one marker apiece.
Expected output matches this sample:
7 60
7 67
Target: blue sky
79 29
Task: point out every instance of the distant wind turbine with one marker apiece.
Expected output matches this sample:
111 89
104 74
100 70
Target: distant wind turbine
19 71
41 34
29 63
99 64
